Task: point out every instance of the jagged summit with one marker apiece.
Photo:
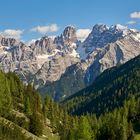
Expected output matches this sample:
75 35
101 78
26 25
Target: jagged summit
118 27
67 37
100 28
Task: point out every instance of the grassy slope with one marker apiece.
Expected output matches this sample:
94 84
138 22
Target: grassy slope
48 135
10 126
137 137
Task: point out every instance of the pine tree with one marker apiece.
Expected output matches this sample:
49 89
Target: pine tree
123 129
5 96
84 129
44 111
36 125
71 135
27 106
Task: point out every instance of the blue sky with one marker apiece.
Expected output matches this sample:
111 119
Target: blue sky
33 18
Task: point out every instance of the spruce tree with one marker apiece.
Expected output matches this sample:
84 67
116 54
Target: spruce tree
36 125
27 106
84 129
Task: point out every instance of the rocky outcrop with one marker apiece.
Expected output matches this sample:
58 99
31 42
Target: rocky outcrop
67 38
53 69
45 45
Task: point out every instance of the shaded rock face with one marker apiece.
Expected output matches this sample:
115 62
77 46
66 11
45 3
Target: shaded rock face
7 41
69 36
64 65
69 83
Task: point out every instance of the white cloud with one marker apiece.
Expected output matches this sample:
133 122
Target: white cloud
52 36
45 29
11 33
135 15
82 33
131 22
31 42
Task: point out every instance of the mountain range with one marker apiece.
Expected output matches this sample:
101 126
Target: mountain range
64 65
109 90
106 110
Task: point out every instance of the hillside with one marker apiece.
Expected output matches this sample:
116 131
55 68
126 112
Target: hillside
24 115
9 130
108 91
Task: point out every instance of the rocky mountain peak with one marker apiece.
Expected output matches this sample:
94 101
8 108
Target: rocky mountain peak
99 28
45 45
118 27
68 37
101 35
69 31
8 41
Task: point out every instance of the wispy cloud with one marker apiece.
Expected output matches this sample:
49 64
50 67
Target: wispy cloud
12 33
45 29
135 15
131 22
82 33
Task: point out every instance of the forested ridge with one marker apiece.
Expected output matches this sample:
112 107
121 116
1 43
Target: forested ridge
107 110
23 110
108 91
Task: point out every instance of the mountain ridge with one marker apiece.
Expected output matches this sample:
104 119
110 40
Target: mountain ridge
109 90
45 61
